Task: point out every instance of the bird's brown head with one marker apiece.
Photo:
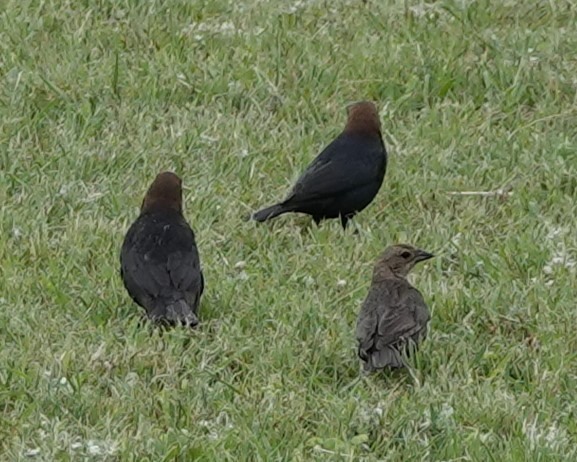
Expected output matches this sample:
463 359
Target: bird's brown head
164 193
399 260
363 118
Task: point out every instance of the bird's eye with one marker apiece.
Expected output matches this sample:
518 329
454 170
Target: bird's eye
406 255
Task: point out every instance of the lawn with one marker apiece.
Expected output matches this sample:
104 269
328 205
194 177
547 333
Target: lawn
237 97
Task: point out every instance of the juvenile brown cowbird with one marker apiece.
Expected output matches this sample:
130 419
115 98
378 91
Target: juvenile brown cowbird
345 177
159 261
394 316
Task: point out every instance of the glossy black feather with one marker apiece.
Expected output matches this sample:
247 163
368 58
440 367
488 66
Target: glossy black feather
160 267
342 180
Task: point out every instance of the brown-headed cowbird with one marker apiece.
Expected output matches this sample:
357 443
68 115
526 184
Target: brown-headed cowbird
394 316
345 177
159 261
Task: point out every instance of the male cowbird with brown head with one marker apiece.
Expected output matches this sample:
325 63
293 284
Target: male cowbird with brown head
393 319
345 177
159 261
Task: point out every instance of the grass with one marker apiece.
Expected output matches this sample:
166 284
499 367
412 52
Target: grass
97 97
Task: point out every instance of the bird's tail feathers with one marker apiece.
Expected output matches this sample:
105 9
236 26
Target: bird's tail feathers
387 357
175 313
269 212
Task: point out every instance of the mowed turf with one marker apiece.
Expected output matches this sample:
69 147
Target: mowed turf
97 97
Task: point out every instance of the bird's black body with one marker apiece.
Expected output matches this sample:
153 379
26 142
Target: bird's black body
160 267
344 178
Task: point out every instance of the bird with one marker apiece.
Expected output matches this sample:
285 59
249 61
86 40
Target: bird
393 318
345 177
159 260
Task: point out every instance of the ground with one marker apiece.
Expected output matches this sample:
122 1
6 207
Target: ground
237 97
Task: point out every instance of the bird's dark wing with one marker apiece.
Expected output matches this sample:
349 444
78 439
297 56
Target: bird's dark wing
139 279
159 261
368 323
392 311
407 315
349 162
184 269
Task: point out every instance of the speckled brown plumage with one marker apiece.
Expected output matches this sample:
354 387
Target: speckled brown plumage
394 317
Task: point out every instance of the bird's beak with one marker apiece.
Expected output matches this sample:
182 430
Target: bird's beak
422 255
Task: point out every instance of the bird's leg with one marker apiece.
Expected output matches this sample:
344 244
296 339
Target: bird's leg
345 220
